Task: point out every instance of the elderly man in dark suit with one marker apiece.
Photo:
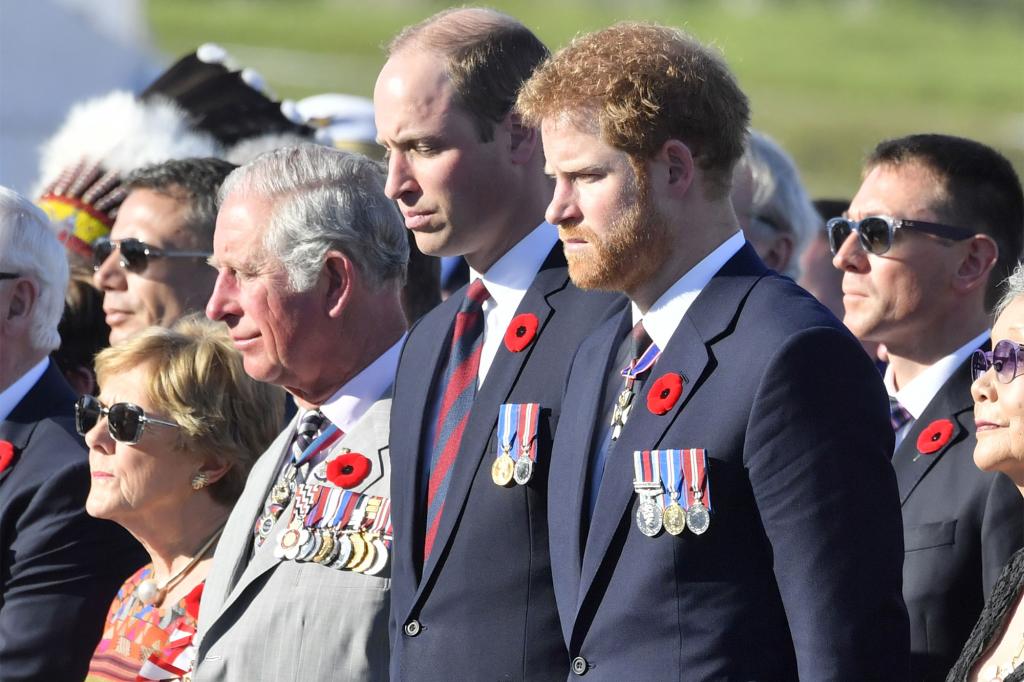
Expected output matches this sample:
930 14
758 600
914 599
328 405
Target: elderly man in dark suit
59 567
720 500
479 386
935 228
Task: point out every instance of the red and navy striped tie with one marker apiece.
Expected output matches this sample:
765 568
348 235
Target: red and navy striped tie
456 395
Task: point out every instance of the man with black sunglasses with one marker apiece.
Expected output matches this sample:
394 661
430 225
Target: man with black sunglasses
934 229
152 269
59 567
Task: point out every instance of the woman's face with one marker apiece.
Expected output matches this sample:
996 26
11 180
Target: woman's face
137 485
999 407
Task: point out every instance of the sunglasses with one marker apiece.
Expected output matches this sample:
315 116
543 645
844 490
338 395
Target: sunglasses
876 232
125 421
1006 358
135 255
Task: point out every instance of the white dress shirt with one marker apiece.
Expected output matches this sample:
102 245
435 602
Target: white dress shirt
918 393
507 281
664 317
13 394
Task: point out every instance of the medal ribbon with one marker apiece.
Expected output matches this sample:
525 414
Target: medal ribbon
345 507
528 417
383 517
331 507
672 476
316 510
642 364
646 468
322 442
358 518
695 463
508 420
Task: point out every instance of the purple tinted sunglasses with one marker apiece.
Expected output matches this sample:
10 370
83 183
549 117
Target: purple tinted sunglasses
1006 358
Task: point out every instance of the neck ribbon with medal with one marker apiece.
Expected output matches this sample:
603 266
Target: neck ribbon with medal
517 434
624 403
338 528
284 489
674 491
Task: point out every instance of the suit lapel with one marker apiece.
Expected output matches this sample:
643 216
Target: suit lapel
952 402
50 396
501 377
688 354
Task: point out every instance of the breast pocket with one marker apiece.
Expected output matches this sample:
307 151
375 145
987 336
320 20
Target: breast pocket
929 535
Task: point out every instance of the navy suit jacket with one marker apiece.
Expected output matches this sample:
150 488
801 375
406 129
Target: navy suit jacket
484 607
59 567
799 573
961 525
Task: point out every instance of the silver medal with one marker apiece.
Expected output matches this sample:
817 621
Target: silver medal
697 518
649 516
524 470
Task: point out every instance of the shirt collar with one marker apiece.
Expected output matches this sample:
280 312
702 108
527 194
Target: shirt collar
513 273
13 394
664 317
918 393
352 400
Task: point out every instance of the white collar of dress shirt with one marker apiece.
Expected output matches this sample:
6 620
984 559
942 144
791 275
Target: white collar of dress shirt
915 396
664 317
350 403
512 274
13 394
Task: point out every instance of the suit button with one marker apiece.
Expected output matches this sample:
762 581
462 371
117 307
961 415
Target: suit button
412 628
579 665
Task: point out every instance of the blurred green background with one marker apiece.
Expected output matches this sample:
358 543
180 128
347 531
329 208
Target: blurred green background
827 79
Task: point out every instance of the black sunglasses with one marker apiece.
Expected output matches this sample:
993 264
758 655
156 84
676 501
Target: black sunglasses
135 255
125 421
9 275
1005 358
876 232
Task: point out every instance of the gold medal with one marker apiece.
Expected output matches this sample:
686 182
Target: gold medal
358 550
369 559
674 518
503 469
326 547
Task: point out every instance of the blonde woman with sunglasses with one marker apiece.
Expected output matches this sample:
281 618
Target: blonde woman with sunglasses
172 435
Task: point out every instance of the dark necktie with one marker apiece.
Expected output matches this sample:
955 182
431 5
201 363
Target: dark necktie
454 399
635 343
898 415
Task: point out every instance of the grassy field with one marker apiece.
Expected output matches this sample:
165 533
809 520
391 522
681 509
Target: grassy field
827 79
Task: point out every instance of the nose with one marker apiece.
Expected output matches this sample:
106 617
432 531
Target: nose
563 207
401 179
851 257
110 276
98 438
983 389
224 298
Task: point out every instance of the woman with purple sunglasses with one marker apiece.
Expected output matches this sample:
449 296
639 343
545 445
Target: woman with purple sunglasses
995 649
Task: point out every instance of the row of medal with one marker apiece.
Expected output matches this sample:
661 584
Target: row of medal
517 432
673 490
338 528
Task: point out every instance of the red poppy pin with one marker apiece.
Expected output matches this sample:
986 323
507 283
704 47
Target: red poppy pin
664 393
520 332
934 437
348 470
6 454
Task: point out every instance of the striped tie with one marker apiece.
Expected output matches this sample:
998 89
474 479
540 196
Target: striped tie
306 432
457 392
898 415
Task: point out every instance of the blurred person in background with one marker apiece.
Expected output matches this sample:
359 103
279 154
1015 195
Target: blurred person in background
58 566
310 256
172 436
995 649
152 268
936 226
772 206
83 332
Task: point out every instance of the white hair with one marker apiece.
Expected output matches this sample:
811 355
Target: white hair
779 198
1011 287
325 199
29 247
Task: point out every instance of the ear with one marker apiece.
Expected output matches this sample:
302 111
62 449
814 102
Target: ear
18 314
341 276
678 161
215 468
522 138
976 264
779 252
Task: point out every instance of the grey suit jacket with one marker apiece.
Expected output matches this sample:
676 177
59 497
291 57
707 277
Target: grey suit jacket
274 619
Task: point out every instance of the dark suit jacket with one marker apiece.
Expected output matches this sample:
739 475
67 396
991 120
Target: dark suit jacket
59 567
484 608
961 525
799 572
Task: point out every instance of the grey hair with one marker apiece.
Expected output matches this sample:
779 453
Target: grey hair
779 197
29 247
325 199
1012 287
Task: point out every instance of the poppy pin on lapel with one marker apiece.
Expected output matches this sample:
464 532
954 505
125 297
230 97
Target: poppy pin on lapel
934 437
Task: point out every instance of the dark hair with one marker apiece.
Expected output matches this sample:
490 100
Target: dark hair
981 191
196 181
489 55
